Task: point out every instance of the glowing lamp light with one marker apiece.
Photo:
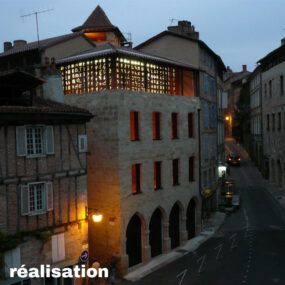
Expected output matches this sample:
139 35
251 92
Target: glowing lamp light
97 217
227 118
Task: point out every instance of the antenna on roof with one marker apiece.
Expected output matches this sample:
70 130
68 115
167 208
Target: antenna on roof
37 23
173 20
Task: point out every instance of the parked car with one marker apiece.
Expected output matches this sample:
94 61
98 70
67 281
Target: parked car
233 159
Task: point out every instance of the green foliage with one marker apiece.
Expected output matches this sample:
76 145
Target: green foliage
9 242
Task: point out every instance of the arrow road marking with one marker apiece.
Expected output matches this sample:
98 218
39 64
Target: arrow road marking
202 259
183 274
233 239
219 255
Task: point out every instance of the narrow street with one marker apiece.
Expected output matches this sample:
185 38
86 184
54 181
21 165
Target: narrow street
249 248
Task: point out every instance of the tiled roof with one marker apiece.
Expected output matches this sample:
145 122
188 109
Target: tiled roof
109 49
43 44
45 106
99 22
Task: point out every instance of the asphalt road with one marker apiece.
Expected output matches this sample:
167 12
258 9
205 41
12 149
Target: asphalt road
249 248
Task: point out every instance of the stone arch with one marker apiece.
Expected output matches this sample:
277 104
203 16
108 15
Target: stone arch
191 218
134 239
175 225
156 232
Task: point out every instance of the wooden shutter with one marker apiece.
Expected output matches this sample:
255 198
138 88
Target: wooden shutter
49 140
21 140
49 196
188 83
24 200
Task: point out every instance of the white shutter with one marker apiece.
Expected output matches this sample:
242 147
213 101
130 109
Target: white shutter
12 259
49 196
21 140
61 247
54 248
58 248
24 200
49 140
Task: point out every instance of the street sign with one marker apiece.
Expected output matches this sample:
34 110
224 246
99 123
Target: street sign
84 256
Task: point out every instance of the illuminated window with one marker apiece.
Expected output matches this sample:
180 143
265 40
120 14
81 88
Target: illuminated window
175 172
136 178
191 169
157 175
174 125
156 134
190 125
134 126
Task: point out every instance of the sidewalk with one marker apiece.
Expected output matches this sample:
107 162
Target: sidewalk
209 229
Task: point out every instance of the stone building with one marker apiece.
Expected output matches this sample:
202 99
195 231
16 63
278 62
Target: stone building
144 163
273 114
256 150
182 43
43 179
233 84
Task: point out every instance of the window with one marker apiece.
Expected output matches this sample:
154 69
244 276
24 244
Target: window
157 175
36 198
136 178
156 133
265 90
174 125
58 247
206 115
268 122
205 77
134 126
279 121
82 143
34 141
190 125
175 172
270 88
273 122
281 85
191 169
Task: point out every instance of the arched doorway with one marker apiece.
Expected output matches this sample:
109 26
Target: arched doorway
174 227
155 233
134 241
279 173
191 219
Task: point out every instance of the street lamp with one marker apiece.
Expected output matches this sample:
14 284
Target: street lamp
95 215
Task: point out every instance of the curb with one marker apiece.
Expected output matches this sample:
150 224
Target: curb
179 252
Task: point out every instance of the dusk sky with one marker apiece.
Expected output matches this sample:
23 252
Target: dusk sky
240 31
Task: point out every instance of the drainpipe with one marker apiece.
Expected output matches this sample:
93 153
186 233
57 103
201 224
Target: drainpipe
200 166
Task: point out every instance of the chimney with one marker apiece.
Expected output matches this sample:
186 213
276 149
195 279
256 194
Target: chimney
185 28
283 42
19 43
244 67
7 46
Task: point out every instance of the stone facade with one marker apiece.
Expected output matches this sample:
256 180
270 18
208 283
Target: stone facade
112 154
256 151
185 47
273 115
